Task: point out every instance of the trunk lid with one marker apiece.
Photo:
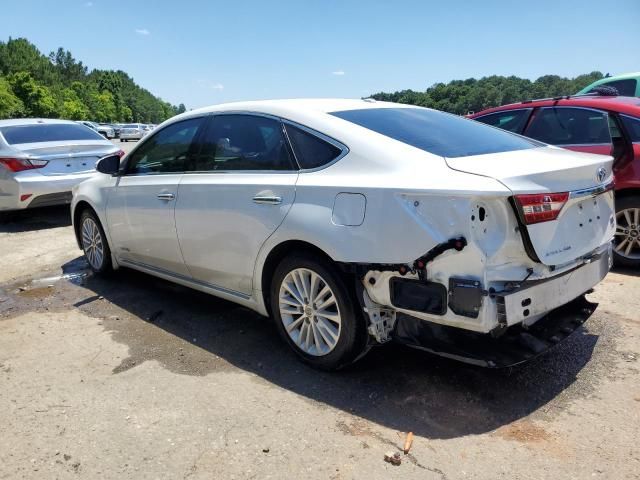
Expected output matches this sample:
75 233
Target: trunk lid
65 158
587 219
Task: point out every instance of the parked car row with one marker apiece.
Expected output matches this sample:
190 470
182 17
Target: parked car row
114 130
356 222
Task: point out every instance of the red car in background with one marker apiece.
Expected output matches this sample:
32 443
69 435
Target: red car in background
608 125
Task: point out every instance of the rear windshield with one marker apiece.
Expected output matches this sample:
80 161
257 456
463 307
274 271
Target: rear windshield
48 132
437 132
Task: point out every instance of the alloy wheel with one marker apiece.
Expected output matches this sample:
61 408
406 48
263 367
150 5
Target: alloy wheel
92 243
309 312
627 237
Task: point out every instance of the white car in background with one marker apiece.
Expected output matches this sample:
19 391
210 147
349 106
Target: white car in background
132 131
355 222
104 130
42 159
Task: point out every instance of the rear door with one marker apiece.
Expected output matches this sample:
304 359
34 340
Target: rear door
140 209
238 190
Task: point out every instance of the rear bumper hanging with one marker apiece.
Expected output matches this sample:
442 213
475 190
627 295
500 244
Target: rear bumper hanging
516 345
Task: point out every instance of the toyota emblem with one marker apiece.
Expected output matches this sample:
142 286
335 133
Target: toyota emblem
602 174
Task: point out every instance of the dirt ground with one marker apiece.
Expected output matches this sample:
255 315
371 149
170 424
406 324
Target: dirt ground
132 377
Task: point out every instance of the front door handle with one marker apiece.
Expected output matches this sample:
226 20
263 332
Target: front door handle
166 196
267 200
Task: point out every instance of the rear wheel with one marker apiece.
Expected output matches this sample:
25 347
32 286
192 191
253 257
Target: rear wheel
94 243
315 312
626 245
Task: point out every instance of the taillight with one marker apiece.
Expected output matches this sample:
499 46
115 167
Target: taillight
120 153
20 164
541 207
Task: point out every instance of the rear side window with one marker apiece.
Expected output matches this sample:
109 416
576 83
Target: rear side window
512 120
436 132
52 132
311 151
166 151
243 142
632 126
570 126
626 88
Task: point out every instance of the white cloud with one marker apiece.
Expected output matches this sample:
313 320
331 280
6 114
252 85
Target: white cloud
142 31
209 84
338 73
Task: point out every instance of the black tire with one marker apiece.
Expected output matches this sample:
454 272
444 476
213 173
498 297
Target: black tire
121 140
352 337
99 264
6 217
633 259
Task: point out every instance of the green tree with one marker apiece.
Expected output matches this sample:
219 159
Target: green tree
37 99
72 106
10 105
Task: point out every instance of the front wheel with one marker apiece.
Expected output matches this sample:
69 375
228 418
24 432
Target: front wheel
626 246
94 243
315 312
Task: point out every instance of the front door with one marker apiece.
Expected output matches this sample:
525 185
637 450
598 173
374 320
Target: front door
237 191
140 209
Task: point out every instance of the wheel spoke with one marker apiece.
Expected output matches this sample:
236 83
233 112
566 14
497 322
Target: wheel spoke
334 317
328 328
629 247
636 216
621 244
293 325
627 217
296 281
327 303
316 337
290 300
293 292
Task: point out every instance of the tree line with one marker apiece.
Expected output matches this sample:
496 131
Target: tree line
472 95
59 86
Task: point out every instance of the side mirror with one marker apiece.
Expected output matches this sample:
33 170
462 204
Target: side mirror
109 165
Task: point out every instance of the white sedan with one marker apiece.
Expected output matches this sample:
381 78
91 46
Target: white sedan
355 222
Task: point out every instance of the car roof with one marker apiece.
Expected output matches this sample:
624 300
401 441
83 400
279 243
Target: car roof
32 121
628 105
321 105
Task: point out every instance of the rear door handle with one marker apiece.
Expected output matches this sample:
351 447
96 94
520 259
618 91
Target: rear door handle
267 200
166 196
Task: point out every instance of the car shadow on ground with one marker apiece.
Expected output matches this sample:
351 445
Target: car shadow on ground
35 219
633 272
394 386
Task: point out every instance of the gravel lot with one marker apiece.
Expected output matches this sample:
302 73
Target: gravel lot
133 377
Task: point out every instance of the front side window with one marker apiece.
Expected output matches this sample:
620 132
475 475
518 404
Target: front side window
48 132
632 125
570 126
436 132
166 151
512 120
243 142
311 151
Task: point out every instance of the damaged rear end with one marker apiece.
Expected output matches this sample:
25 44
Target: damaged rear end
507 279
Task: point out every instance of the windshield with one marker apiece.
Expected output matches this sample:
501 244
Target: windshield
130 125
53 132
437 132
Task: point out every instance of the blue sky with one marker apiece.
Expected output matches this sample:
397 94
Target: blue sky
206 52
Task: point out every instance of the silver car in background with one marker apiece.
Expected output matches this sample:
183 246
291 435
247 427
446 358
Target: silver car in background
41 160
132 131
